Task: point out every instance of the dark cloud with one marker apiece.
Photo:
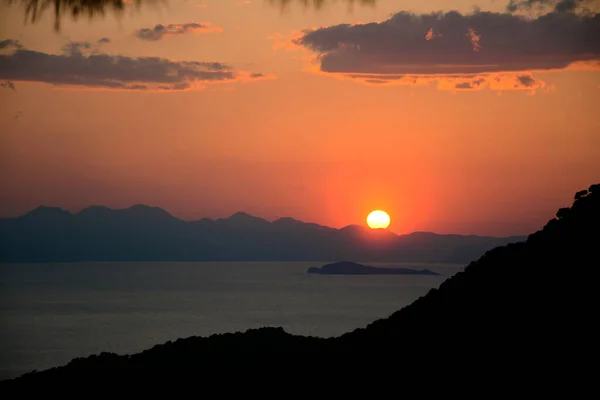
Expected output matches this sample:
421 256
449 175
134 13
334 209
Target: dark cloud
562 6
470 84
377 77
8 85
454 82
80 64
10 44
567 5
452 43
104 40
526 80
496 82
318 4
517 5
160 31
76 48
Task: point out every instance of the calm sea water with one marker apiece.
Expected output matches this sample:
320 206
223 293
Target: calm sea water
51 313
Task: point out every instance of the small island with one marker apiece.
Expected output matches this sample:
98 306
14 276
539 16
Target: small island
352 268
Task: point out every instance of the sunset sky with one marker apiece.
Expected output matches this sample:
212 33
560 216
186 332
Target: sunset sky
470 122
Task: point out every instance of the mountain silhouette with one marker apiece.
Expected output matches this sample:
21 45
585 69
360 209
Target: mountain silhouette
142 233
530 304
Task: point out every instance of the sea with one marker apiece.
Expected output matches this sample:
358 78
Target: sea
52 313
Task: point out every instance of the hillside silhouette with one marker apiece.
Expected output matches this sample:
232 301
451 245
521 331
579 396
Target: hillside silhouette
142 233
526 303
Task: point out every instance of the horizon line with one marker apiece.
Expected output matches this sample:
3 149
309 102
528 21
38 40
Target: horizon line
364 227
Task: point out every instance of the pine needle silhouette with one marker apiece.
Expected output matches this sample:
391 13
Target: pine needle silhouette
35 9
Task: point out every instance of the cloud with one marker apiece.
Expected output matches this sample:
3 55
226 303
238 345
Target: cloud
431 34
454 83
473 43
560 6
525 80
474 37
408 47
160 31
79 64
8 85
319 4
9 45
470 84
496 82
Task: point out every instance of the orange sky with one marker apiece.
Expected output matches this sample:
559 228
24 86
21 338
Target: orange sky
301 143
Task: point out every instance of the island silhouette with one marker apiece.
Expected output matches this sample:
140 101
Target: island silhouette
529 303
352 268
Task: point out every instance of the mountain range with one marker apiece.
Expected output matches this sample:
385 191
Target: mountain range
143 233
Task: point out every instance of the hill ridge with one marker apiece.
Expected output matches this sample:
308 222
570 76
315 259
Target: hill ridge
148 233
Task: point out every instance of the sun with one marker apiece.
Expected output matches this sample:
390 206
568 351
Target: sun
378 220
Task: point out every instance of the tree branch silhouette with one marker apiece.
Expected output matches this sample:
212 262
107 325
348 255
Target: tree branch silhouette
35 9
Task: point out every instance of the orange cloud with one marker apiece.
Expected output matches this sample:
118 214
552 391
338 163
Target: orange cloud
287 42
431 34
475 38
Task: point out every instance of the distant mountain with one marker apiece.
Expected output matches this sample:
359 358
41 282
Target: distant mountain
142 233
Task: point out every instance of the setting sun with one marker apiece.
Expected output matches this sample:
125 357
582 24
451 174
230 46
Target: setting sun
378 220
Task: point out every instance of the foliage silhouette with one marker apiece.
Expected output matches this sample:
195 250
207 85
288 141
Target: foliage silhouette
35 9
